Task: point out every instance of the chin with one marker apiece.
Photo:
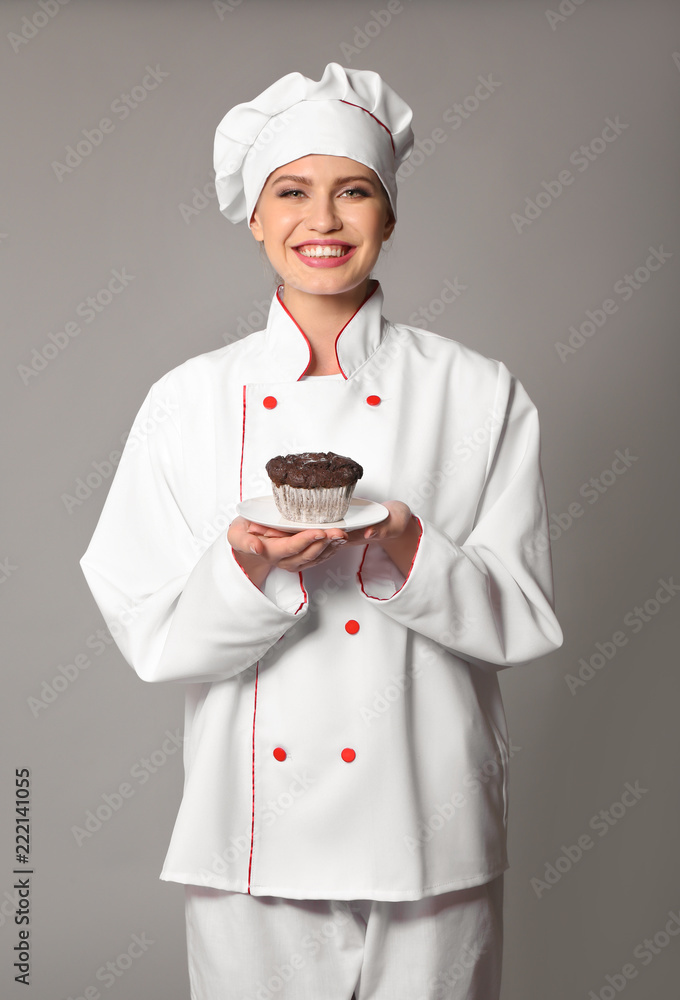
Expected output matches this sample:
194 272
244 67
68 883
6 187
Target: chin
325 284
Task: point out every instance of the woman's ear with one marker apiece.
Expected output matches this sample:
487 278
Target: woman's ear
390 223
255 227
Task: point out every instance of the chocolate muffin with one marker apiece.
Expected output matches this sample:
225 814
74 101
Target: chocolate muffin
314 487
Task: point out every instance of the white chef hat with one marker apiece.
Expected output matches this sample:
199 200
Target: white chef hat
348 112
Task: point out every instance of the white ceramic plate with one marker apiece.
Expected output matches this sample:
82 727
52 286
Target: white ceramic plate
360 514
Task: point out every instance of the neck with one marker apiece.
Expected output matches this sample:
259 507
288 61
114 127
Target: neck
322 317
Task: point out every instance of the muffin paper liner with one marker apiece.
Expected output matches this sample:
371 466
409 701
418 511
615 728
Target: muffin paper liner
316 506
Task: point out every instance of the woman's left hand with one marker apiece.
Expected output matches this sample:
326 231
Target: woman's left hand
392 527
398 535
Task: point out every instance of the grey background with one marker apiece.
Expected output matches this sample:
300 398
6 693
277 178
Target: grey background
197 279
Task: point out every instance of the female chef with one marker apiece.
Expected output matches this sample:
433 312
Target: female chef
342 830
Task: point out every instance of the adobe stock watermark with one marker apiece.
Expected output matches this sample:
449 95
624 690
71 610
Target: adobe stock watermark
200 199
383 699
112 802
363 35
581 158
311 944
440 987
454 117
101 471
239 846
87 310
122 107
444 812
601 823
224 7
67 674
391 347
253 321
646 951
203 196
463 449
592 490
460 623
7 568
85 485
564 10
335 578
9 906
625 287
32 25
635 620
110 972
450 293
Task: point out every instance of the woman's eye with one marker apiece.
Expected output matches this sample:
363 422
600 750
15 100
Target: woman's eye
355 191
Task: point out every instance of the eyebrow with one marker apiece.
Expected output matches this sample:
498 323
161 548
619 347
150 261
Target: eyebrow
297 179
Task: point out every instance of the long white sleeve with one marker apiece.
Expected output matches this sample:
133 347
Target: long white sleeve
177 611
488 598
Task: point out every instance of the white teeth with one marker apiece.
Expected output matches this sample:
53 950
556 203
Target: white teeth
312 251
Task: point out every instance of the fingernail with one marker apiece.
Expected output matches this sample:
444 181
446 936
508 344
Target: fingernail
370 534
317 537
253 550
339 541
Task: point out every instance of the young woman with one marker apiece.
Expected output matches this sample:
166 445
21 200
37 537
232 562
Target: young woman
343 825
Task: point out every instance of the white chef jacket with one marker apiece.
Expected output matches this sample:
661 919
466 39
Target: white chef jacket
344 730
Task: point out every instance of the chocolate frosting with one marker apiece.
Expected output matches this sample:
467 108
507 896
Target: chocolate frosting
311 469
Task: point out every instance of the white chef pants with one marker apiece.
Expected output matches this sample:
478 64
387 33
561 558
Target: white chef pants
445 947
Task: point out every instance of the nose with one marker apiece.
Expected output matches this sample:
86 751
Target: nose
323 214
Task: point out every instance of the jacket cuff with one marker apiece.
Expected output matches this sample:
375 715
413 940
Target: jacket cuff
281 589
380 579
222 622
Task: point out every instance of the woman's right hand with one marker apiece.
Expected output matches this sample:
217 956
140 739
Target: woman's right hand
259 548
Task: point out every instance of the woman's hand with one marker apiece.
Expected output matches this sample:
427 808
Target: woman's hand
259 548
391 528
398 534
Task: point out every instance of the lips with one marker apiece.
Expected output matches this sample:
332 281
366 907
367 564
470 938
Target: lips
324 253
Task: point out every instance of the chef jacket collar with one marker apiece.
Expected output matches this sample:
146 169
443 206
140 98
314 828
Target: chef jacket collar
287 352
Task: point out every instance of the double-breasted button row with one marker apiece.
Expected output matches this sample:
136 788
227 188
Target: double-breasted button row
269 402
348 754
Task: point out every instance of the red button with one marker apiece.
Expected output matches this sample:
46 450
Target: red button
373 400
269 402
351 626
280 753
348 755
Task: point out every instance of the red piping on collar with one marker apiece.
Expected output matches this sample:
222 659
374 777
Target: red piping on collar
335 346
374 119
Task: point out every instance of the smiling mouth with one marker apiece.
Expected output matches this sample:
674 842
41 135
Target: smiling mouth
310 250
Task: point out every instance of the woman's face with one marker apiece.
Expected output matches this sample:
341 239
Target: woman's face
322 201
